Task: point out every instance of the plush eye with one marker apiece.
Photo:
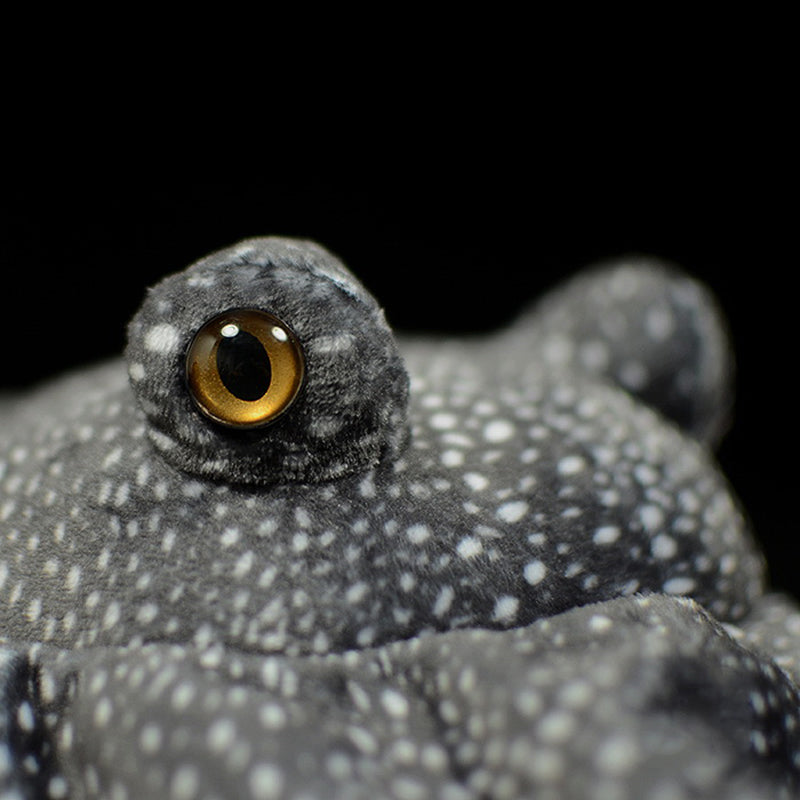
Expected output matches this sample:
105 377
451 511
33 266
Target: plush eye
244 368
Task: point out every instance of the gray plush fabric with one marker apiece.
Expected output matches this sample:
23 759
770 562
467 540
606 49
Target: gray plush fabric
473 589
355 393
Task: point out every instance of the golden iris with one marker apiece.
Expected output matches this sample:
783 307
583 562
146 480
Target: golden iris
244 368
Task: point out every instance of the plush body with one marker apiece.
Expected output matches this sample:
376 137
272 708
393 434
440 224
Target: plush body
493 567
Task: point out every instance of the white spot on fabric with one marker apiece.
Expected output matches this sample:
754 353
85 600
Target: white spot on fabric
469 547
529 455
183 695
617 755
595 355
266 782
505 608
221 735
433 757
25 718
443 601
600 623
58 788
528 702
363 740
758 703
652 518
147 613
163 339
443 421
534 572
272 716
113 458
407 581
728 564
475 481
498 430
418 533
577 694
302 517
606 534
571 465
513 511
360 697
624 282
406 788
102 712
324 427
394 703
557 349
663 546
267 527
356 593
121 495
452 458
645 474
34 609
112 615
633 375
546 765
243 564
366 636
335 343
150 738
659 323
185 783
556 727
229 537
682 585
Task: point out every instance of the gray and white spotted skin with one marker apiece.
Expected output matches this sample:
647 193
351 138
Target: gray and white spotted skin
301 610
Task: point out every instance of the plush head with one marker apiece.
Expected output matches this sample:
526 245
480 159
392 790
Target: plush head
352 407
256 488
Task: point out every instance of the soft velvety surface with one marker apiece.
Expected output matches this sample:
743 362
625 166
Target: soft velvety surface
302 611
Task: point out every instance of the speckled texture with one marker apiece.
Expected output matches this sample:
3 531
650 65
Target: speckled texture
193 613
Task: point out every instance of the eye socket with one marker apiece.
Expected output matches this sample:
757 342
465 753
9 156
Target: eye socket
244 368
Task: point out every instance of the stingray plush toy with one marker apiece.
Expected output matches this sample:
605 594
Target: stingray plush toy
279 554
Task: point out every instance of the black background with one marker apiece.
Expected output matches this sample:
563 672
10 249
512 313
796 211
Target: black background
455 249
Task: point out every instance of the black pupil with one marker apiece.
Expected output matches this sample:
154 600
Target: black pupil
243 366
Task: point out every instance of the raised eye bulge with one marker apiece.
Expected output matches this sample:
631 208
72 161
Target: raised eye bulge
244 368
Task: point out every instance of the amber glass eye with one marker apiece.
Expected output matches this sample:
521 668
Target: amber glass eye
244 368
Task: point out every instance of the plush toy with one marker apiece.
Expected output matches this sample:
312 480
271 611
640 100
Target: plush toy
280 554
